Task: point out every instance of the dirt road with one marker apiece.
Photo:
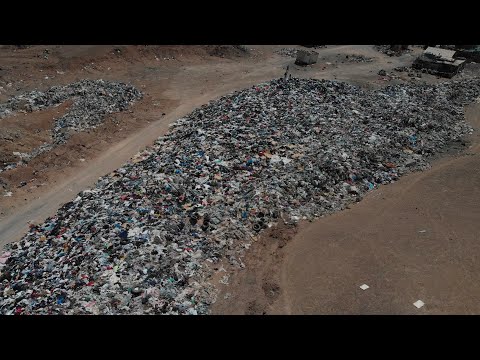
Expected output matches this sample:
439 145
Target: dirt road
416 239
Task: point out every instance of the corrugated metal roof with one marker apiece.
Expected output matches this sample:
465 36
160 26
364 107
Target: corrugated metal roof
444 54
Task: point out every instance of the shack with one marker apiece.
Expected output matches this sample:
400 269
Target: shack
442 62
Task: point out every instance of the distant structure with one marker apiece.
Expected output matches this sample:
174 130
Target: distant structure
441 62
306 57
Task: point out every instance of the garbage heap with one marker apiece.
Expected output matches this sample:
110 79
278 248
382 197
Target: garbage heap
354 58
92 101
287 52
392 50
140 240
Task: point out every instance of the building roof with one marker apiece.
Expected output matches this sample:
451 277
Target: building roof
441 54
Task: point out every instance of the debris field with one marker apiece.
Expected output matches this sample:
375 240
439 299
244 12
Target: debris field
145 238
93 100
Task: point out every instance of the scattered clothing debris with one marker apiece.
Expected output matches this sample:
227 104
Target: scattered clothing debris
354 58
393 50
287 52
93 100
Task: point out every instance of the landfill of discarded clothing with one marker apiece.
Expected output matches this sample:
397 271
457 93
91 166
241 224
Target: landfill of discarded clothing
142 241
